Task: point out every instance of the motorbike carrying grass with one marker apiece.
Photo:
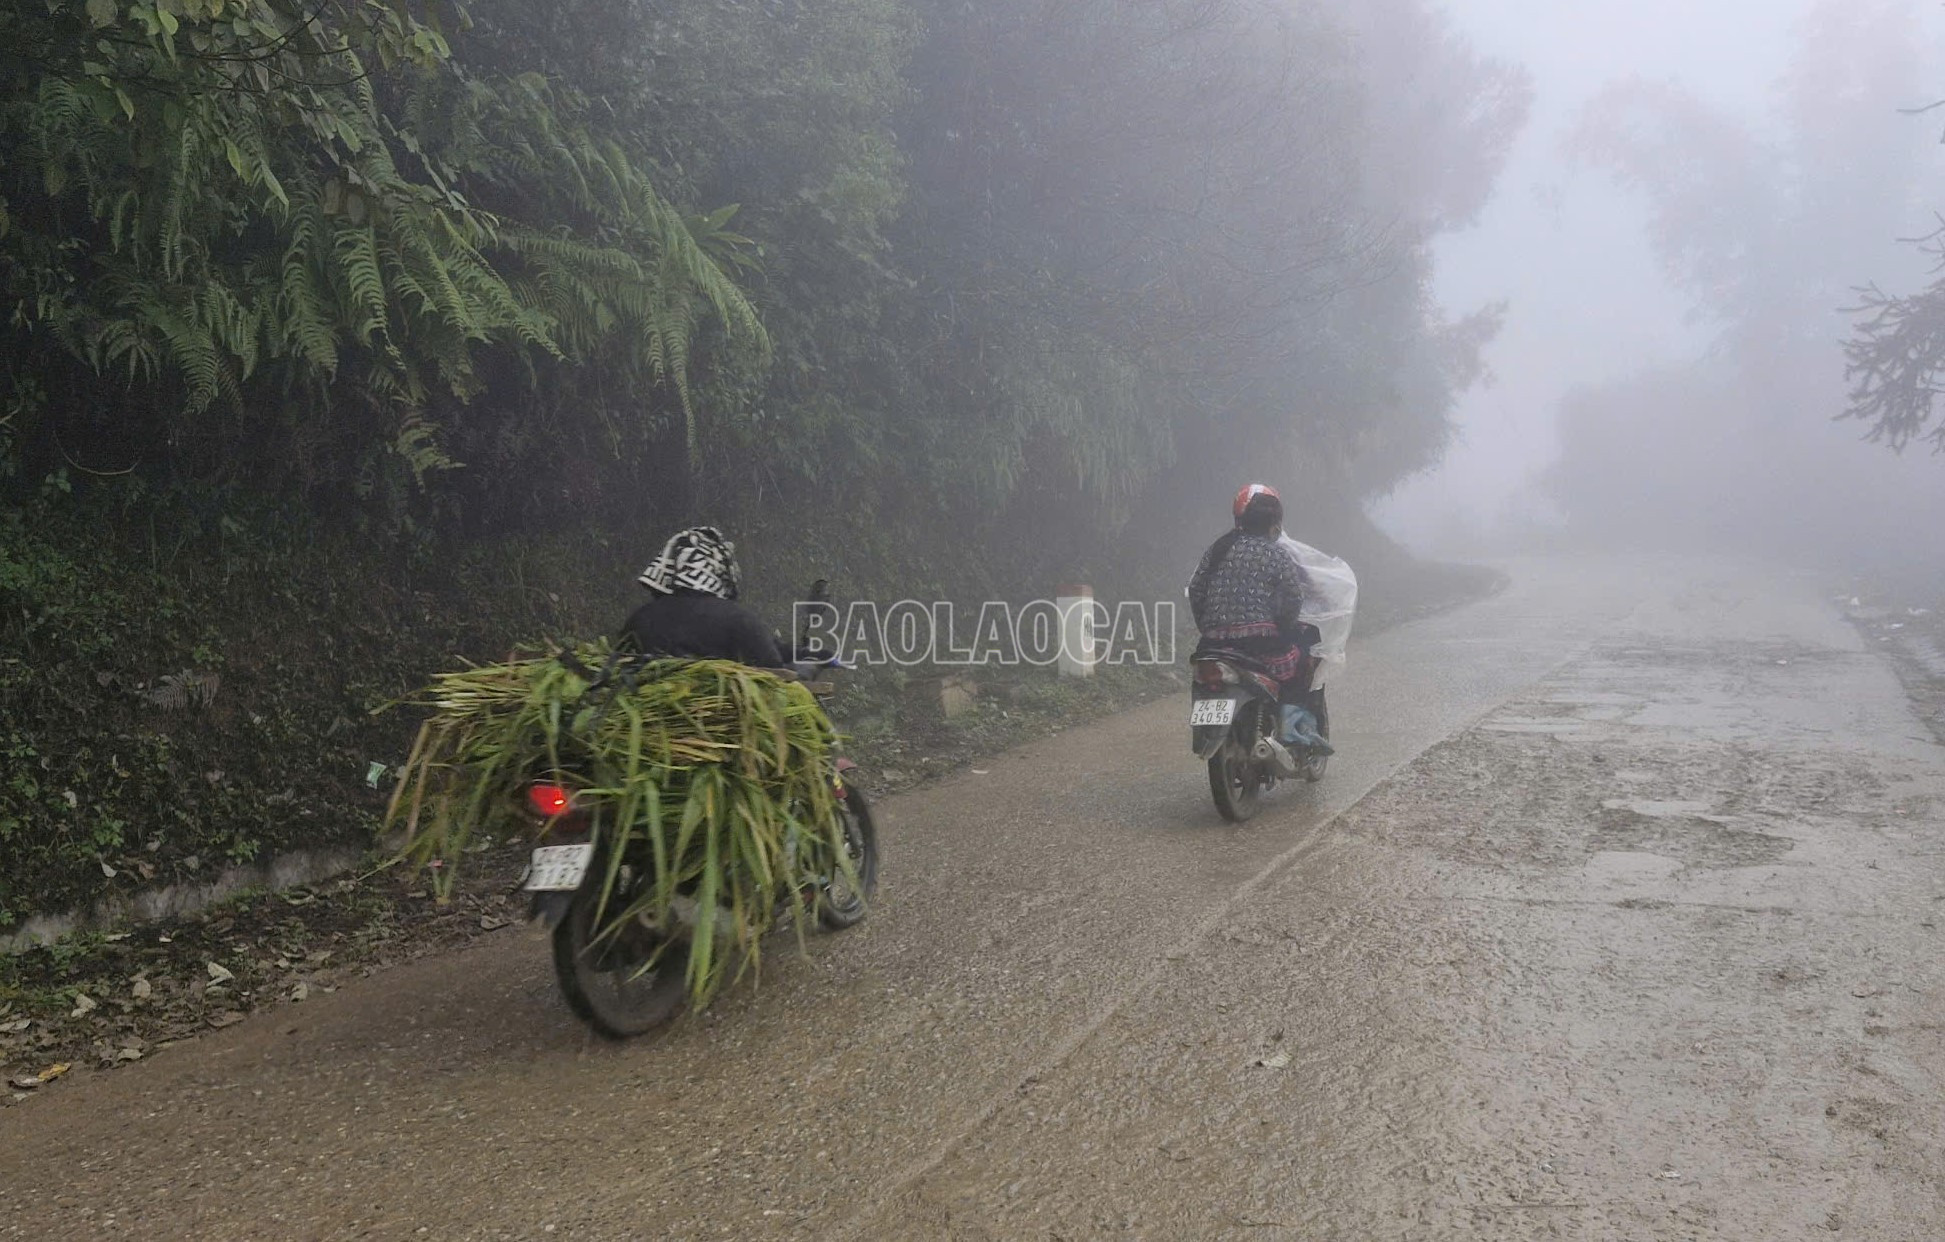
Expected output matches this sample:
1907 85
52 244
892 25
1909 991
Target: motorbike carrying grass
705 781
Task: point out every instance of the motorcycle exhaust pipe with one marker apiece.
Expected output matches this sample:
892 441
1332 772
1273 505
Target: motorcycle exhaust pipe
1274 753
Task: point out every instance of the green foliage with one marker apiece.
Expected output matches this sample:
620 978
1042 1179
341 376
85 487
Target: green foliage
702 780
255 203
1029 265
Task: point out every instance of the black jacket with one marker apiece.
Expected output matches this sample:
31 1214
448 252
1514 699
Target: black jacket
701 627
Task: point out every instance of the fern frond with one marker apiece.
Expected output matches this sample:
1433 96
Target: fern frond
355 250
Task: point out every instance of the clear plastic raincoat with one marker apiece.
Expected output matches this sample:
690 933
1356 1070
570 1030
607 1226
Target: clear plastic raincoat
1330 604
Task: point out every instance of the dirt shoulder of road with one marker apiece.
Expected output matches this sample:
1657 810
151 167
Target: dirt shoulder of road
1908 629
99 1000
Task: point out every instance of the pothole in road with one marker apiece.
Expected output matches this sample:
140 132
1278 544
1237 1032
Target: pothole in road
1663 809
1693 840
1546 783
1559 716
1729 654
1619 867
1554 727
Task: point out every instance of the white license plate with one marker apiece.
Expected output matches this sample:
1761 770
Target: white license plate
558 868
1212 712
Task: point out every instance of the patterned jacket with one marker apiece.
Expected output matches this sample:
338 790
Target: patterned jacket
1256 591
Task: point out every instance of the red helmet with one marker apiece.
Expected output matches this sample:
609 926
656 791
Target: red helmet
1251 493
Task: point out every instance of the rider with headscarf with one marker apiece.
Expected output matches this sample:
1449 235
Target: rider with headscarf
693 613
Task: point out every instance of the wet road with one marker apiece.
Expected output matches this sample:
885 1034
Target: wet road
1614 918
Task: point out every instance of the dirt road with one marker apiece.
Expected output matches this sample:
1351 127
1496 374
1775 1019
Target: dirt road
1616 917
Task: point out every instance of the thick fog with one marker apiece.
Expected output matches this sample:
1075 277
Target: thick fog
1700 189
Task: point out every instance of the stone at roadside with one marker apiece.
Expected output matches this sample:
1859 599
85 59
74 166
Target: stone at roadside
958 696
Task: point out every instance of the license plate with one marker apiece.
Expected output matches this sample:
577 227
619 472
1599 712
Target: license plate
558 868
1212 712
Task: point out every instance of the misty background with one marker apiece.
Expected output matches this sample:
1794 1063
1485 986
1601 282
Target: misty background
1698 193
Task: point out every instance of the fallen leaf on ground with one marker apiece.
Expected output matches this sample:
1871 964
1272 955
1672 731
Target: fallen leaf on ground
219 973
301 992
1276 1060
82 1004
141 989
488 923
229 1017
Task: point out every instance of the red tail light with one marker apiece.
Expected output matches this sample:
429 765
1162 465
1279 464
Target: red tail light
549 801
1214 674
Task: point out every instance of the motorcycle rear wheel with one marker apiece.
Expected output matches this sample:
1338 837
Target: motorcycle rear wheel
1235 781
604 984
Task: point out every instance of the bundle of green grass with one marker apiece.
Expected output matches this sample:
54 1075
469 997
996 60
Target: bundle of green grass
706 779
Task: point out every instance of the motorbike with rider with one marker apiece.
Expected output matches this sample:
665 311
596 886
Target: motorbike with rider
625 984
1256 716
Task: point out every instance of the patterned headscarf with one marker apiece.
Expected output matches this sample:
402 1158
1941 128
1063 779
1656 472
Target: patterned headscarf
696 559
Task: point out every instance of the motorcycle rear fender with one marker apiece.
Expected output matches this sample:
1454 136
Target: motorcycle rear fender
1208 739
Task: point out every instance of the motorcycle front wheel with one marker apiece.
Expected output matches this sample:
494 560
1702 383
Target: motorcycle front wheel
843 904
605 984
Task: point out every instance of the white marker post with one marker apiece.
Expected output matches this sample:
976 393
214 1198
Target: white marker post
1077 651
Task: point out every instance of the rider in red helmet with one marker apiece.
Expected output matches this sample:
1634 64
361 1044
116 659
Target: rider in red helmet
1248 495
1246 596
